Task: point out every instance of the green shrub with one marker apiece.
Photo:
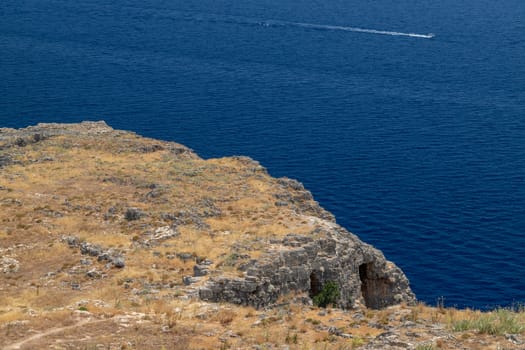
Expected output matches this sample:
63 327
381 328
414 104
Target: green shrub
328 295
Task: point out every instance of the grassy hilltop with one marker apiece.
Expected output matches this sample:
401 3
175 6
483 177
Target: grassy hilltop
106 239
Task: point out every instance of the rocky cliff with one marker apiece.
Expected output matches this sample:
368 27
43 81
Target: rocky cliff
308 249
109 240
300 263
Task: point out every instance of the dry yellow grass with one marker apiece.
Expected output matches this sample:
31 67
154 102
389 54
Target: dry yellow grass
222 210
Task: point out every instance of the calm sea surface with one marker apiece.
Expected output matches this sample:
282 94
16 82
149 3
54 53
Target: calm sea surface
416 144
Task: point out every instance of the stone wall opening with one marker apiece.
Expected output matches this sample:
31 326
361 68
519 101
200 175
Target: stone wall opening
316 286
375 290
363 276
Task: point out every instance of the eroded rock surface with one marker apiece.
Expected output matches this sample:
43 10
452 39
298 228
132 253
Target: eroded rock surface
252 237
115 236
300 263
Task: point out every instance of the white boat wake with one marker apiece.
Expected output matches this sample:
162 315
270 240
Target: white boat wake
221 18
272 23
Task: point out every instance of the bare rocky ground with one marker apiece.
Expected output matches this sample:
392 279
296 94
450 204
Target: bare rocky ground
113 241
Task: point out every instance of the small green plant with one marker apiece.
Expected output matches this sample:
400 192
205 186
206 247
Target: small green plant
357 342
82 308
328 295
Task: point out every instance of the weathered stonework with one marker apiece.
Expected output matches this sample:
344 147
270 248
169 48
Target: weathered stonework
303 264
203 196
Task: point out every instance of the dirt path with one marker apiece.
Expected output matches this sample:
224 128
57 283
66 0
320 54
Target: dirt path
18 345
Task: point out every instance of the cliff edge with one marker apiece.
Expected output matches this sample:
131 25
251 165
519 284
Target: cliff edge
112 240
231 204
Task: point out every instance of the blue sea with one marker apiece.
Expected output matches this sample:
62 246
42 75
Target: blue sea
406 119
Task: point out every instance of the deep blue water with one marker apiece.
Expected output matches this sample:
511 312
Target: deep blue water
417 145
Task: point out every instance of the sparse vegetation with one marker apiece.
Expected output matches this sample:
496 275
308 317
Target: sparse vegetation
223 210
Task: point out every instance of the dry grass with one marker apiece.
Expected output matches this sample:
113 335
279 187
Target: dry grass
222 209
225 316
12 315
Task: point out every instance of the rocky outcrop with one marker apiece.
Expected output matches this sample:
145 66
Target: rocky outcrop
294 195
110 256
152 226
175 198
12 138
300 263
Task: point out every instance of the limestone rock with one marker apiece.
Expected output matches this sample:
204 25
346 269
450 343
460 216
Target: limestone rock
118 262
200 270
5 160
9 265
187 280
133 214
112 256
303 264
